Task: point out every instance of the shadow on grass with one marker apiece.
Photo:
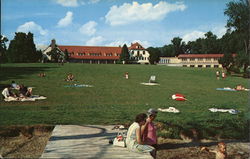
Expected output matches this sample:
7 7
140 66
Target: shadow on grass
167 146
12 73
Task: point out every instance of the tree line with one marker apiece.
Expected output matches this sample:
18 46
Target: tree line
235 41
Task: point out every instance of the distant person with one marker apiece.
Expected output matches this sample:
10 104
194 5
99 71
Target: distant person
25 91
220 152
223 75
217 75
70 77
7 92
149 129
42 74
126 75
134 137
14 85
239 87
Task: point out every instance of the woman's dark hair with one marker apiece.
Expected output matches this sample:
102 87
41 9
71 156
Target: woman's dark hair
140 117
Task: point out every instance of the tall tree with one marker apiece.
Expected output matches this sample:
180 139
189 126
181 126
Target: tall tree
178 46
3 49
227 61
22 48
210 44
239 20
124 54
154 55
56 55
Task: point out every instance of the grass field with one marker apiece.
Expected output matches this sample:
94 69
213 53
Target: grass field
114 100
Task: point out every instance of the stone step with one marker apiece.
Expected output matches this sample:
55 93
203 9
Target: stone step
87 141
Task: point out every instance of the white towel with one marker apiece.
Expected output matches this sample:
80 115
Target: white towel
170 110
231 111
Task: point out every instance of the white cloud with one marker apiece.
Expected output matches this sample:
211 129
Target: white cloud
88 28
145 44
67 3
94 1
32 27
192 36
95 41
118 43
129 13
219 31
67 20
75 3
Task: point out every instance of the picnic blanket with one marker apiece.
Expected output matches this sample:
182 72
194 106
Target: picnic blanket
31 98
169 110
150 84
231 111
78 85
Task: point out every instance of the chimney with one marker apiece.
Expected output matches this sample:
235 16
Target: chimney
53 43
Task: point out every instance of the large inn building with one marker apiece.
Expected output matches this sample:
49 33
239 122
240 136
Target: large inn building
110 55
99 54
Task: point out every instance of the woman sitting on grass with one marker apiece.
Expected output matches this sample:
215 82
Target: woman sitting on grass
134 137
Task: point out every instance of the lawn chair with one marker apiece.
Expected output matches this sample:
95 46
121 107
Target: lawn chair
152 79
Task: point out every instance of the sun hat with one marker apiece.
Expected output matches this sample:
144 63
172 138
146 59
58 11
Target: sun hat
152 111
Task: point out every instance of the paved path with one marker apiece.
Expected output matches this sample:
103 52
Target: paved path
86 142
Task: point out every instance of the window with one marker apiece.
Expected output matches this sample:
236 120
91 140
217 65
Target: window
208 59
184 65
216 66
184 59
200 59
192 59
208 66
191 65
199 65
143 52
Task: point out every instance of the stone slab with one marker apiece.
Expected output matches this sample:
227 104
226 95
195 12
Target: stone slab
86 142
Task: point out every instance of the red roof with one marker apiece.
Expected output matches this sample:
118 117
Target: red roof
136 46
201 55
92 52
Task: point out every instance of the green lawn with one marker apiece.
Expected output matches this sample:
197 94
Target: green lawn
113 99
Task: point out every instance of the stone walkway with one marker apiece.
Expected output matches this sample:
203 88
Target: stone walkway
86 142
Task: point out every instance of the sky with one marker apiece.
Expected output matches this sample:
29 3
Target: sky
113 22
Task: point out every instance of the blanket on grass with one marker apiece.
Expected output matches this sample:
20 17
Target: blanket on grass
231 111
230 89
32 98
78 85
169 110
150 84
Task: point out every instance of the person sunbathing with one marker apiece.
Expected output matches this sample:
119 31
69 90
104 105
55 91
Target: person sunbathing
220 152
239 88
70 77
41 74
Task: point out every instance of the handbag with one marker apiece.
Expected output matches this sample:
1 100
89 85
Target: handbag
120 139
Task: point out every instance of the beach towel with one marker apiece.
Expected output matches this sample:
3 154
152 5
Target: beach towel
231 111
226 89
169 110
150 84
78 85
